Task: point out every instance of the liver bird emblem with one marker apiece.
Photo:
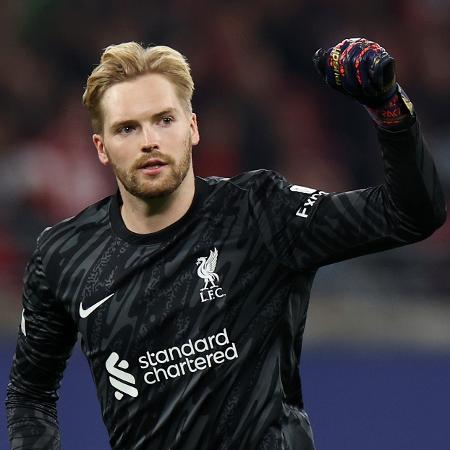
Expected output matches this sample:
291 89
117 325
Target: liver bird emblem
206 268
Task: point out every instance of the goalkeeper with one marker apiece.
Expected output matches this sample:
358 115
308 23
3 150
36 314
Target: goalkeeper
191 294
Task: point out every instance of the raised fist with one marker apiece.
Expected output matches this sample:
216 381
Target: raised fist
359 68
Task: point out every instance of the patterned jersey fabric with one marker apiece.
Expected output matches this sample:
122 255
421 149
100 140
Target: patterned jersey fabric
193 334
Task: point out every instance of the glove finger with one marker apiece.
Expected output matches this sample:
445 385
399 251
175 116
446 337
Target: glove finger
326 63
343 45
320 61
331 68
334 71
382 74
377 72
363 63
351 79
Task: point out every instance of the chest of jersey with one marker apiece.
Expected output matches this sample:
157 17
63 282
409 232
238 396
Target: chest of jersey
140 297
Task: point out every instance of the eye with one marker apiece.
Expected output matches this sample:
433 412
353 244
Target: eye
127 129
166 120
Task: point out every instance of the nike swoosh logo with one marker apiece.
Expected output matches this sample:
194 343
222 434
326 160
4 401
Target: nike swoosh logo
85 312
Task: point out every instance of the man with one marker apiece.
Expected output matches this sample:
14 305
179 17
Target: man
191 294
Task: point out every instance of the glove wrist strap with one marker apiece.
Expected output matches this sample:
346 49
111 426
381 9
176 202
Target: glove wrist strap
397 112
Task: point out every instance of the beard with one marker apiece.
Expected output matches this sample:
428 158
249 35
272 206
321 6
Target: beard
162 184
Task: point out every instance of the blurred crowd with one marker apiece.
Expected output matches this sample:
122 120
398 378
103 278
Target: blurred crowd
258 98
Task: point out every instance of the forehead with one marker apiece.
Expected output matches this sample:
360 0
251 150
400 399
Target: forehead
145 95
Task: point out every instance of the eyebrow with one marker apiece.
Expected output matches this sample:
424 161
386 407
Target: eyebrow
121 123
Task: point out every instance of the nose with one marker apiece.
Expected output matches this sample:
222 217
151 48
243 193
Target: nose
150 138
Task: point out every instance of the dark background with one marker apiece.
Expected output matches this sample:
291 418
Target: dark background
376 364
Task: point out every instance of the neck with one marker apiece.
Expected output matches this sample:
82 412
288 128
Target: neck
145 216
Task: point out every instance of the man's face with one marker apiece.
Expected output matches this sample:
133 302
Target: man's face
147 136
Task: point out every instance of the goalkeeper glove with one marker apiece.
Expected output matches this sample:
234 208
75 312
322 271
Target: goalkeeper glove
364 70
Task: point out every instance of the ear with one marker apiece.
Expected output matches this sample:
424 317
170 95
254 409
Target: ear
194 130
97 139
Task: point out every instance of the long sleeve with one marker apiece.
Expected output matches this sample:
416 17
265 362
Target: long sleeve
318 228
45 341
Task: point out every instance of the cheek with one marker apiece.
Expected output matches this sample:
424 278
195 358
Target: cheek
117 154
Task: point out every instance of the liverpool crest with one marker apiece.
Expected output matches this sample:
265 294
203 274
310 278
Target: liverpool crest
206 271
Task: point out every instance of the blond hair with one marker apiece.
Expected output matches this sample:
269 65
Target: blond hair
124 62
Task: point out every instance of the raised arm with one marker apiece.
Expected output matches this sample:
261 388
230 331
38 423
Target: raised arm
45 341
305 228
410 204
406 208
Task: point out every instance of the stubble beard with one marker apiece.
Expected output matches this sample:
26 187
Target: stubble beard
154 186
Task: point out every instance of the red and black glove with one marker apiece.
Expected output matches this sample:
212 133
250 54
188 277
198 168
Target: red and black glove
365 71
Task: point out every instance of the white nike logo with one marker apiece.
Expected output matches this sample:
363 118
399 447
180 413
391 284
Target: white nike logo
85 312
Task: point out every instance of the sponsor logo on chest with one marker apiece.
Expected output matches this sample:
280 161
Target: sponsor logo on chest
195 355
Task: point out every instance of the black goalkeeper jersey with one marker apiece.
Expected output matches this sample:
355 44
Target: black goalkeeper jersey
194 333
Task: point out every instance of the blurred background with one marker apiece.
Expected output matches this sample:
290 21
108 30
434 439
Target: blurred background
376 362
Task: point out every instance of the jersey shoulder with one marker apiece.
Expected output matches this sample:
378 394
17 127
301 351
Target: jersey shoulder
89 220
257 188
247 181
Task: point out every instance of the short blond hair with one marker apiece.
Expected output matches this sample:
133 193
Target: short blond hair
126 61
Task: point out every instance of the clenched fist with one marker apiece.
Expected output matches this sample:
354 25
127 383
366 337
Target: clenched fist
359 68
365 71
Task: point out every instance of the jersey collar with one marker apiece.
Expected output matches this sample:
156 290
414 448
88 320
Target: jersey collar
118 226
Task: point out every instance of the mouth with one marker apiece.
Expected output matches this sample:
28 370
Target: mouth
152 166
